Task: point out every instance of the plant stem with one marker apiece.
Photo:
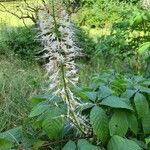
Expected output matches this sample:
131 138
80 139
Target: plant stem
54 17
68 100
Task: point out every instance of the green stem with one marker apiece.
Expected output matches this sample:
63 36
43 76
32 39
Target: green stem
68 100
54 17
70 107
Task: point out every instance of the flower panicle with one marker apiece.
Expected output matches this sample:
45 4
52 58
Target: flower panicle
61 50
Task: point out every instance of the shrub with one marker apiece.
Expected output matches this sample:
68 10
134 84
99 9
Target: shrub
20 41
126 38
100 13
86 43
115 106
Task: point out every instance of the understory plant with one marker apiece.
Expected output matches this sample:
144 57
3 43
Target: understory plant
19 41
112 113
128 40
115 106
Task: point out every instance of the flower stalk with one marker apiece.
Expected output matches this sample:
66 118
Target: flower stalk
57 36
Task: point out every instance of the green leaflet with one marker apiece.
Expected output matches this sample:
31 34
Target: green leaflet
91 95
146 83
39 109
119 143
14 135
128 94
118 124
81 145
146 123
140 143
53 124
145 89
53 127
70 146
38 99
99 122
117 102
85 145
141 105
104 91
51 121
132 121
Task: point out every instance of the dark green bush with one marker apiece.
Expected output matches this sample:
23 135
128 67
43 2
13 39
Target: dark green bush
19 40
86 43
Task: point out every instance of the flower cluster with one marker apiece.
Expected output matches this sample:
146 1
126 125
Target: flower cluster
58 38
146 4
59 47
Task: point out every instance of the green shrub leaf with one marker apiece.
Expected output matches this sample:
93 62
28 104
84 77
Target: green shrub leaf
14 135
145 89
144 47
132 121
128 94
53 123
119 143
99 121
141 105
104 91
53 127
146 123
117 102
147 140
91 95
85 145
70 146
37 144
39 109
118 124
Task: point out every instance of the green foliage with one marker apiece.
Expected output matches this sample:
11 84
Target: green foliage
128 40
70 146
82 145
118 124
5 144
10 137
49 116
19 80
126 108
141 105
20 41
115 107
85 145
132 122
86 43
99 121
117 143
145 123
122 126
100 13
117 102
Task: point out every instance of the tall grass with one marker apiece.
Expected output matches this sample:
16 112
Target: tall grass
19 80
20 76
